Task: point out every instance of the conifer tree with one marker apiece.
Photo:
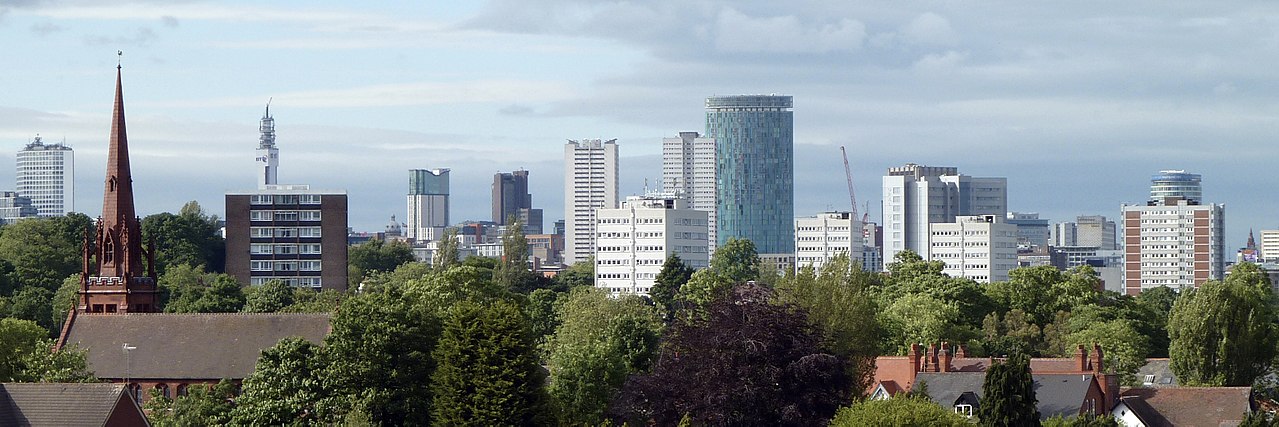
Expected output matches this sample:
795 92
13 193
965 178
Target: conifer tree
487 372
1008 395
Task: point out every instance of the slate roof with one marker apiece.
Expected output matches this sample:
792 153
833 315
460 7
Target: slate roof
207 346
1163 376
1194 406
61 404
1058 394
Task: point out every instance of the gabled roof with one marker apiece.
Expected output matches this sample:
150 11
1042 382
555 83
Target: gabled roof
1195 406
67 404
1162 372
1057 394
206 346
1148 416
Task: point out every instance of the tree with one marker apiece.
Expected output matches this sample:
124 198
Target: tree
35 304
898 412
43 251
838 305
27 355
202 406
542 311
916 318
192 290
446 253
1008 394
284 386
376 255
750 360
378 359
577 275
191 237
1223 333
269 297
1153 307
310 301
65 300
487 373
675 273
599 342
737 261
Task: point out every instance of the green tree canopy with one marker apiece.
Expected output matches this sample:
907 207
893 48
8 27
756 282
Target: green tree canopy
192 290
839 306
43 251
599 342
1223 333
34 303
898 412
487 373
376 255
26 355
269 297
191 237
446 253
1008 394
675 273
284 386
202 406
737 261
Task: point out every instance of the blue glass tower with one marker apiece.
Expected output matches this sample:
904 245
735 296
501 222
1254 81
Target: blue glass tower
755 170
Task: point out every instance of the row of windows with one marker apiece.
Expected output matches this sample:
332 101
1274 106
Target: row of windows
284 232
641 248
284 249
284 199
306 282
265 215
265 265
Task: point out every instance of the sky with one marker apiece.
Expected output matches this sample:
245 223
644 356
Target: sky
1076 103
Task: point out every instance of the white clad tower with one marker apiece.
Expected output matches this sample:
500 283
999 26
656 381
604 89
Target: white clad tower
590 183
688 169
268 156
46 175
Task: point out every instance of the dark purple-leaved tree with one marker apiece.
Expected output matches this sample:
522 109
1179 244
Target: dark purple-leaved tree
748 360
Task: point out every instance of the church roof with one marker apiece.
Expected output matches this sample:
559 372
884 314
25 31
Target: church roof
206 346
68 404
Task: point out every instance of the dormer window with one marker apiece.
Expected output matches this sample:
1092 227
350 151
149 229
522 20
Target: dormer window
964 409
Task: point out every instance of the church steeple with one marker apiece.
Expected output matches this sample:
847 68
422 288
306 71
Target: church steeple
120 284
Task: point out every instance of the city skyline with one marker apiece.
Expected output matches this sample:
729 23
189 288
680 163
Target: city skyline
1085 103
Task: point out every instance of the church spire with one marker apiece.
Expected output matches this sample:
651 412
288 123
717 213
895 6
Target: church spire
120 283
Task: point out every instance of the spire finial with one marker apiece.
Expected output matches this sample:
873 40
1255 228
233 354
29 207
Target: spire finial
268 106
119 58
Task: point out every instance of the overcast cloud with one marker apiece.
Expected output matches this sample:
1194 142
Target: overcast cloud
1077 103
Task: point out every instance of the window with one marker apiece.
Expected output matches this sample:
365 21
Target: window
309 231
260 232
286 215
260 249
309 215
1150 379
964 409
309 199
260 199
259 215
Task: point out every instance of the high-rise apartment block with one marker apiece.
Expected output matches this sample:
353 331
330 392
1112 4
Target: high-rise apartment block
978 247
14 207
46 175
688 170
754 171
268 156
590 183
1087 230
1270 245
428 204
916 196
289 233
820 238
872 245
635 240
512 199
1175 241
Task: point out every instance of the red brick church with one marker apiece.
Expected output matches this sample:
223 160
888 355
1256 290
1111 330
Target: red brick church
117 319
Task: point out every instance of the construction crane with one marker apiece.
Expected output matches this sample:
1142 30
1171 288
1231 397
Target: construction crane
852 195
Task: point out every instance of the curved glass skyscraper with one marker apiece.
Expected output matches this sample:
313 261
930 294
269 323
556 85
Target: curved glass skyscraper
755 170
1176 183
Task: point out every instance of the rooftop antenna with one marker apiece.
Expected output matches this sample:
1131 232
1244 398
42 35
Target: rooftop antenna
119 58
268 106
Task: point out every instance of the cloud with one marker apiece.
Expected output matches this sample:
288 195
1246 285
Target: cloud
517 110
935 62
738 33
140 37
169 21
45 28
930 29
396 95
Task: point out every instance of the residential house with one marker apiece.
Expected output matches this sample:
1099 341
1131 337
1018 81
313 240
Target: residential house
1183 406
69 405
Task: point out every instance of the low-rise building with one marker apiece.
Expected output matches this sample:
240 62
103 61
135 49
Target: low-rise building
980 247
822 237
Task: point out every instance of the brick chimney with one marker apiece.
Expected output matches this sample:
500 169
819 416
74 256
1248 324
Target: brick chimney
914 357
961 351
1096 359
943 357
931 359
1081 359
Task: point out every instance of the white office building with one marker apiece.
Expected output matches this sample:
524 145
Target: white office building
635 240
14 207
1087 230
915 196
46 175
428 204
1270 245
979 247
590 183
688 170
820 238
